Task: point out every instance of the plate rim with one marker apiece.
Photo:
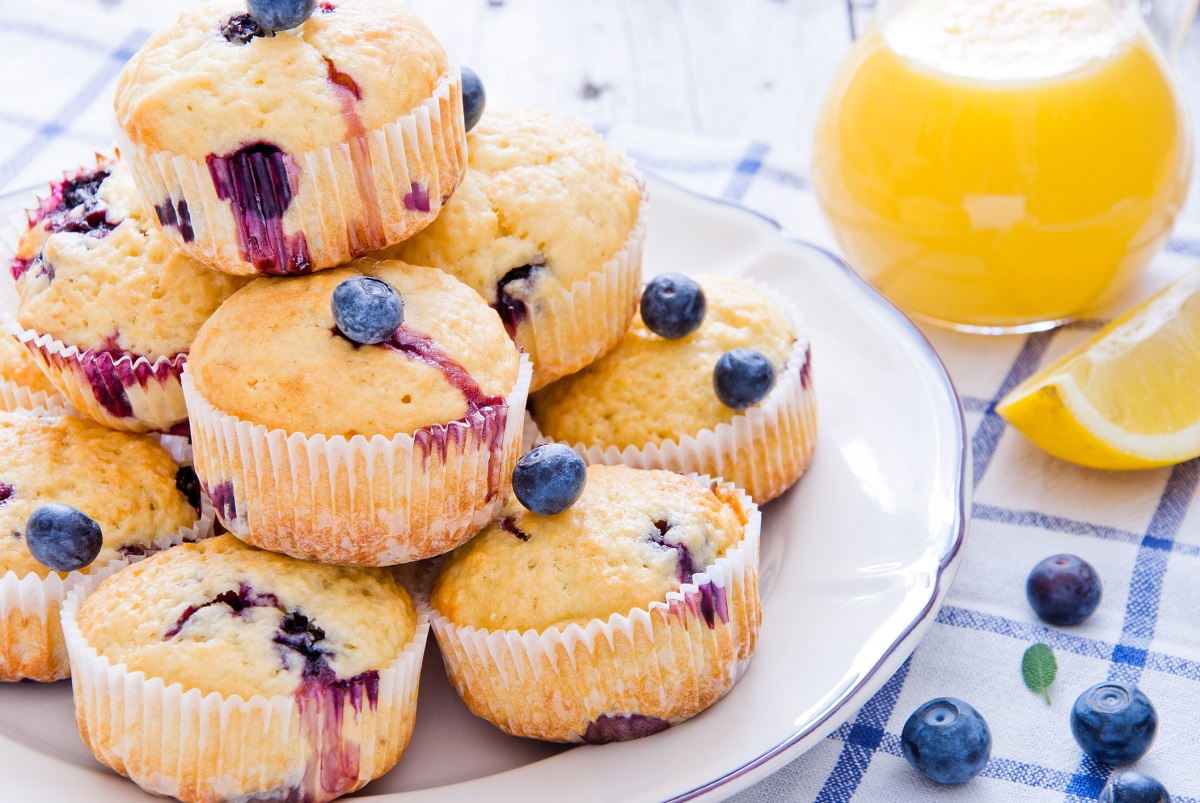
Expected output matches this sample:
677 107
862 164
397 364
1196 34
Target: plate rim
948 545
952 541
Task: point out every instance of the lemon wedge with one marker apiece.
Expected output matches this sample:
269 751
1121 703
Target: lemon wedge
1130 396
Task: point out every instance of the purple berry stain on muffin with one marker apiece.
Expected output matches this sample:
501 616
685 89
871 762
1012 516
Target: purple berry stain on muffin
685 564
417 346
111 370
188 484
73 207
509 525
713 603
259 181
806 369
326 8
417 199
6 493
241 28
223 500
514 284
622 728
176 216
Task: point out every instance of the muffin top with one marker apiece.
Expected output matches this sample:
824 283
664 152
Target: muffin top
649 389
272 355
94 272
129 484
212 82
545 201
222 616
632 537
18 367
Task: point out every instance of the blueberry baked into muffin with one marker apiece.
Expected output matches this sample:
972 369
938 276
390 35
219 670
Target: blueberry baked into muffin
216 671
713 377
105 304
130 497
632 609
368 415
547 226
280 150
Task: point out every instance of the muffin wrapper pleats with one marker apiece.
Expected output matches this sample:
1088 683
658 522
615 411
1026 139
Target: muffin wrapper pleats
15 396
279 213
328 740
124 392
31 638
359 502
629 676
763 450
566 331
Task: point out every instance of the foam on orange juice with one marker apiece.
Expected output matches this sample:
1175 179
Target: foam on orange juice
1000 163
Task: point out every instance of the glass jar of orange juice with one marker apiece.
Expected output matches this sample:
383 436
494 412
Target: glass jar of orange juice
1002 165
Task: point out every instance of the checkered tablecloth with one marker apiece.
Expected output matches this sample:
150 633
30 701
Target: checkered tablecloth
1141 530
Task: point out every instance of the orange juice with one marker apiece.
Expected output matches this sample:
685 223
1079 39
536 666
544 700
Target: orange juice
1002 164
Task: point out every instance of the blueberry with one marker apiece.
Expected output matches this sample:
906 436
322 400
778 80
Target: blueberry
549 479
743 377
673 305
367 310
62 538
1114 723
280 15
1063 590
473 96
947 741
1134 787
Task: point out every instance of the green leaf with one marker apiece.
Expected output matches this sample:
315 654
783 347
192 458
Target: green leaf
1039 668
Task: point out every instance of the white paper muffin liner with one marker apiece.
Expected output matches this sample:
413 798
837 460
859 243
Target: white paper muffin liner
326 741
358 502
630 676
31 638
343 201
15 396
128 393
566 331
763 450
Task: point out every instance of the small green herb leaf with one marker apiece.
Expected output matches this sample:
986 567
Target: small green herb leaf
1039 668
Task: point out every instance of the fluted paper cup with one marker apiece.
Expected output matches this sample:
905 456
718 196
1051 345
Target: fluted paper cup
275 213
763 450
631 675
358 501
566 331
31 638
328 740
120 390
15 396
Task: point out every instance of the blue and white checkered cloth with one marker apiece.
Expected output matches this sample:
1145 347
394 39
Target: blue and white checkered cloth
1140 530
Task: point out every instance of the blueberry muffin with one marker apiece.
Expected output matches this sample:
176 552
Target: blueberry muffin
106 305
331 449
248 675
23 386
269 151
632 610
547 226
653 401
130 485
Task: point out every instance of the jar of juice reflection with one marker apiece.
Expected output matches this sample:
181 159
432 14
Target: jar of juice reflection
1002 165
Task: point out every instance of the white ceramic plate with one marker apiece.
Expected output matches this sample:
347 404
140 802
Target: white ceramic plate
856 561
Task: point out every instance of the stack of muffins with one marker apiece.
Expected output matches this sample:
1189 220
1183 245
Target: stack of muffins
356 414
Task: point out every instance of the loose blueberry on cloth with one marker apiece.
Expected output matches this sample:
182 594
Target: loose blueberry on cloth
1114 723
549 479
673 305
1063 590
947 741
62 538
367 310
1134 787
